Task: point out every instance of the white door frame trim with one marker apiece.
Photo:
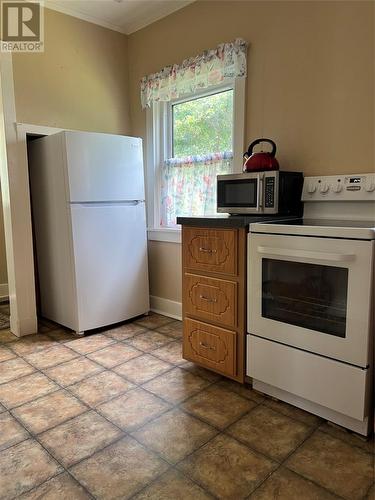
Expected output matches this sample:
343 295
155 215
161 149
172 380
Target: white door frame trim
16 208
24 129
14 176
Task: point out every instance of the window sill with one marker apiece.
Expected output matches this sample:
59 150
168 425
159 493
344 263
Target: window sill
168 235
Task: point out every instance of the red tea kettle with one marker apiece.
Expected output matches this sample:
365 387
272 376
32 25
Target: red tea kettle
258 162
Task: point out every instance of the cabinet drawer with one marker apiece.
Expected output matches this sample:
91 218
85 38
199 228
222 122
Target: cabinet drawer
210 346
211 299
212 250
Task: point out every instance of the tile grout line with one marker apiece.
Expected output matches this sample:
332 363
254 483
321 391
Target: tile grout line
174 465
223 431
283 464
357 446
314 429
125 433
174 406
64 342
115 341
317 430
369 489
174 469
109 369
129 433
35 436
66 469
317 426
177 406
34 488
84 354
43 370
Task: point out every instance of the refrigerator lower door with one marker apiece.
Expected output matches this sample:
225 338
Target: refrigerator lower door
110 260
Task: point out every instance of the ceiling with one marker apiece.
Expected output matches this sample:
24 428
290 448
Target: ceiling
126 16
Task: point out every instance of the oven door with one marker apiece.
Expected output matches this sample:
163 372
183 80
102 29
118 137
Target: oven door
312 293
240 194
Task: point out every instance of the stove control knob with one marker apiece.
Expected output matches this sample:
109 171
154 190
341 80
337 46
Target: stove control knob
370 187
337 188
311 188
324 188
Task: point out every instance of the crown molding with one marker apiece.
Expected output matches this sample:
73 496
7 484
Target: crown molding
81 15
129 28
132 27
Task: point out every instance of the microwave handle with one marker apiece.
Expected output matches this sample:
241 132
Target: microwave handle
306 254
260 192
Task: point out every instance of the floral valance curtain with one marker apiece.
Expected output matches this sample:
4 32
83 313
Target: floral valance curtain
188 185
228 60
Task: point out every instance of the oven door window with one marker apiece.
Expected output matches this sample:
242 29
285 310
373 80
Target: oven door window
307 295
237 193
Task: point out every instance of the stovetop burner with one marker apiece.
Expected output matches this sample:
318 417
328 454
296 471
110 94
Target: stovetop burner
326 228
326 223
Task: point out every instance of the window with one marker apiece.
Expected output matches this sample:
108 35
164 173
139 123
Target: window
195 130
193 140
201 147
203 125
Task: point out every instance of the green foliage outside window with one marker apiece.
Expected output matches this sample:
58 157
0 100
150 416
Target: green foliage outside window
204 125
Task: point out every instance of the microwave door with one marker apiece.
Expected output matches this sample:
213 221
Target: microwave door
237 194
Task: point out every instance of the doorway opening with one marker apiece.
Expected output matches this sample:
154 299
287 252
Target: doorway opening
4 297
29 139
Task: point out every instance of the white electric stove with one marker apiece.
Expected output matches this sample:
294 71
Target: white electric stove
310 302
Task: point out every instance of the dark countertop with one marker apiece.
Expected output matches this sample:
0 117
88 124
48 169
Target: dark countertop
236 221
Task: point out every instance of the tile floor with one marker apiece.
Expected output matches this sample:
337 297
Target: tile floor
119 414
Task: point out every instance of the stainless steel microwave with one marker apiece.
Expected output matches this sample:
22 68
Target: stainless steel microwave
271 192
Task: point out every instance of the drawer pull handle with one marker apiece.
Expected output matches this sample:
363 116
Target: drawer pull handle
207 346
207 250
207 298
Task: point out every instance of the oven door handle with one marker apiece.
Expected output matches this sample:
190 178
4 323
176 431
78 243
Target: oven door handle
306 254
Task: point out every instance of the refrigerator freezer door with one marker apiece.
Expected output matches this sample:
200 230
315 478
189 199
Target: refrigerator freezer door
110 254
103 167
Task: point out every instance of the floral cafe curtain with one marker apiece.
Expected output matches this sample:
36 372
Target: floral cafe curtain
228 60
188 185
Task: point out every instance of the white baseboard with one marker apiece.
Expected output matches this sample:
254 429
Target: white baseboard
3 291
166 307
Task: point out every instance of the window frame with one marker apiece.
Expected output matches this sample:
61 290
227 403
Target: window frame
159 147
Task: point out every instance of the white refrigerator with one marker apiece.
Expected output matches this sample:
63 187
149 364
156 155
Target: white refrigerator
89 218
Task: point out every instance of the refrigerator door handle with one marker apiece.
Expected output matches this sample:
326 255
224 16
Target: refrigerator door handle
106 203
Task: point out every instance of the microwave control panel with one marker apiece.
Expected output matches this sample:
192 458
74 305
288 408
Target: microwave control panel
356 187
269 192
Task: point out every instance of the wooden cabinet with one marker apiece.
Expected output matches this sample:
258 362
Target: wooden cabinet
210 346
214 301
212 250
211 299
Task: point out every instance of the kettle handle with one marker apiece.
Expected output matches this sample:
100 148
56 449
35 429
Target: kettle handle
258 141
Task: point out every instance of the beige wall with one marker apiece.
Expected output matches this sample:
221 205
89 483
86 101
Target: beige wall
310 84
165 270
79 82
